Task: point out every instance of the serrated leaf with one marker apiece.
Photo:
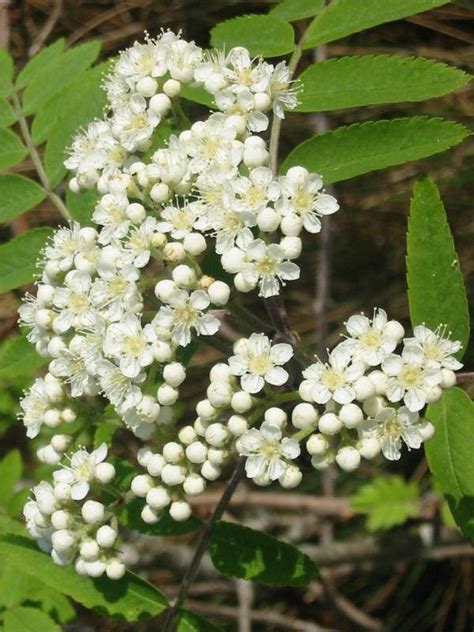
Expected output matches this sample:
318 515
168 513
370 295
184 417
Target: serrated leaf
130 598
15 587
238 551
449 454
352 150
191 622
436 292
37 63
18 258
130 516
11 467
19 194
293 10
23 619
82 205
370 79
6 72
18 358
388 502
341 18
7 114
60 70
12 150
263 35
73 116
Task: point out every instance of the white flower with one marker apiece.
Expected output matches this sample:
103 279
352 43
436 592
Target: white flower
178 221
335 379
437 349
256 190
392 426
81 471
242 104
128 343
284 97
73 301
116 294
212 143
139 242
110 213
71 367
121 391
183 313
267 266
258 361
410 377
34 405
371 340
302 198
133 124
267 452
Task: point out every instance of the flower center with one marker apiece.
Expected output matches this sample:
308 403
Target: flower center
78 303
186 314
267 266
259 364
302 201
271 450
370 339
332 379
411 376
135 346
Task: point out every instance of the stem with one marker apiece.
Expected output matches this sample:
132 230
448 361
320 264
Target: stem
246 315
55 199
204 537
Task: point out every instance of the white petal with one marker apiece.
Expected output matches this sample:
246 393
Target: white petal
276 376
252 383
281 353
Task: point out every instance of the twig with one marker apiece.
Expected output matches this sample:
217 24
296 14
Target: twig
47 28
283 622
55 199
461 378
245 595
203 541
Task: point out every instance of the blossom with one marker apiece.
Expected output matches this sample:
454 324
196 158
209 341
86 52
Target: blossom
110 213
334 379
183 313
410 377
437 349
73 301
267 452
393 427
257 361
81 471
267 266
371 340
129 344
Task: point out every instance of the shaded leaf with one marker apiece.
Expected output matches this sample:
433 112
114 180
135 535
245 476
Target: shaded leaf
23 619
12 150
130 598
7 114
6 72
370 79
449 454
18 258
352 150
81 205
263 35
18 358
238 551
11 467
293 10
340 18
198 95
39 62
436 292
387 502
19 194
191 622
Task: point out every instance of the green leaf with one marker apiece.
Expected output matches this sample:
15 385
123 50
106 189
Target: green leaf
22 619
436 292
449 454
293 10
7 114
198 95
238 551
18 258
191 622
18 358
74 114
370 79
130 516
6 72
130 598
12 150
263 35
341 18
15 587
40 61
11 467
387 502
61 70
82 205
352 150
19 194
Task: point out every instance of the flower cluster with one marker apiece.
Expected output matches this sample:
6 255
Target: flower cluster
83 533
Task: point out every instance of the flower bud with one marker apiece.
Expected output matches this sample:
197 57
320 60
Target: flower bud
196 452
194 243
173 474
209 471
106 536
180 510
167 395
194 485
173 452
351 415
216 435
219 293
172 88
93 511
174 374
174 252
275 416
104 472
268 220
329 424
291 246
304 416
205 410
160 192
147 87
237 425
89 550
187 435
141 485
368 447
60 519
158 498
184 276
317 444
241 402
148 515
348 458
115 569
160 104
136 212
62 540
291 478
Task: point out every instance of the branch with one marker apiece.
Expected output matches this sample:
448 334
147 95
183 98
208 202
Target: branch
203 541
